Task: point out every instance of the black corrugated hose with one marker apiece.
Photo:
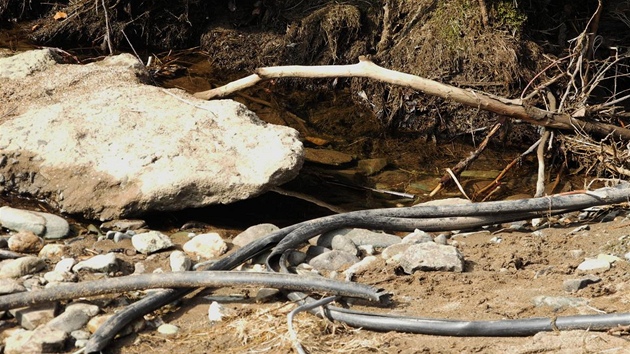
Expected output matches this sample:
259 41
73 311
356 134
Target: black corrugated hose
406 218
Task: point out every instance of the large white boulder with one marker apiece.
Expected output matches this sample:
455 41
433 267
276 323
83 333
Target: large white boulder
94 140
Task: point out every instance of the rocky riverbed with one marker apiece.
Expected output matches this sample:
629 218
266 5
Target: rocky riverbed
573 265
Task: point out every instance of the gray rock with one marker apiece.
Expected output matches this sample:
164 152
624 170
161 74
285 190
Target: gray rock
362 237
418 236
360 266
558 302
253 233
41 340
59 277
22 220
209 245
74 317
33 316
42 224
179 261
594 264
431 256
25 242
314 251
150 242
103 263
573 285
333 260
56 226
295 257
394 252
338 240
22 266
69 321
176 152
441 239
10 286
27 63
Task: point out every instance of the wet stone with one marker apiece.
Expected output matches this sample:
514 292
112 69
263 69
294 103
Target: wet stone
333 260
253 233
430 256
25 242
372 166
326 156
208 246
150 242
22 266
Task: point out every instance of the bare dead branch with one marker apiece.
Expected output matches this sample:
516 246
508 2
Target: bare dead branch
513 108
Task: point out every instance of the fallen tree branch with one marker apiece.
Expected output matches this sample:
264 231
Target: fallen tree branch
68 291
513 108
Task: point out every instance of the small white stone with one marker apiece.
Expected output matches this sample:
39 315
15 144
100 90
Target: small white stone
102 263
207 246
150 242
65 265
179 261
168 329
591 264
217 312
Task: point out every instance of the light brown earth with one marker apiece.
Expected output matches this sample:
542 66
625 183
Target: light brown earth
499 282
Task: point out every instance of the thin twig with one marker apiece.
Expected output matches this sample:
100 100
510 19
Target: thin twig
108 37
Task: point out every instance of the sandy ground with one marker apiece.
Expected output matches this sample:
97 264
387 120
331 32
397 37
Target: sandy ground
500 282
